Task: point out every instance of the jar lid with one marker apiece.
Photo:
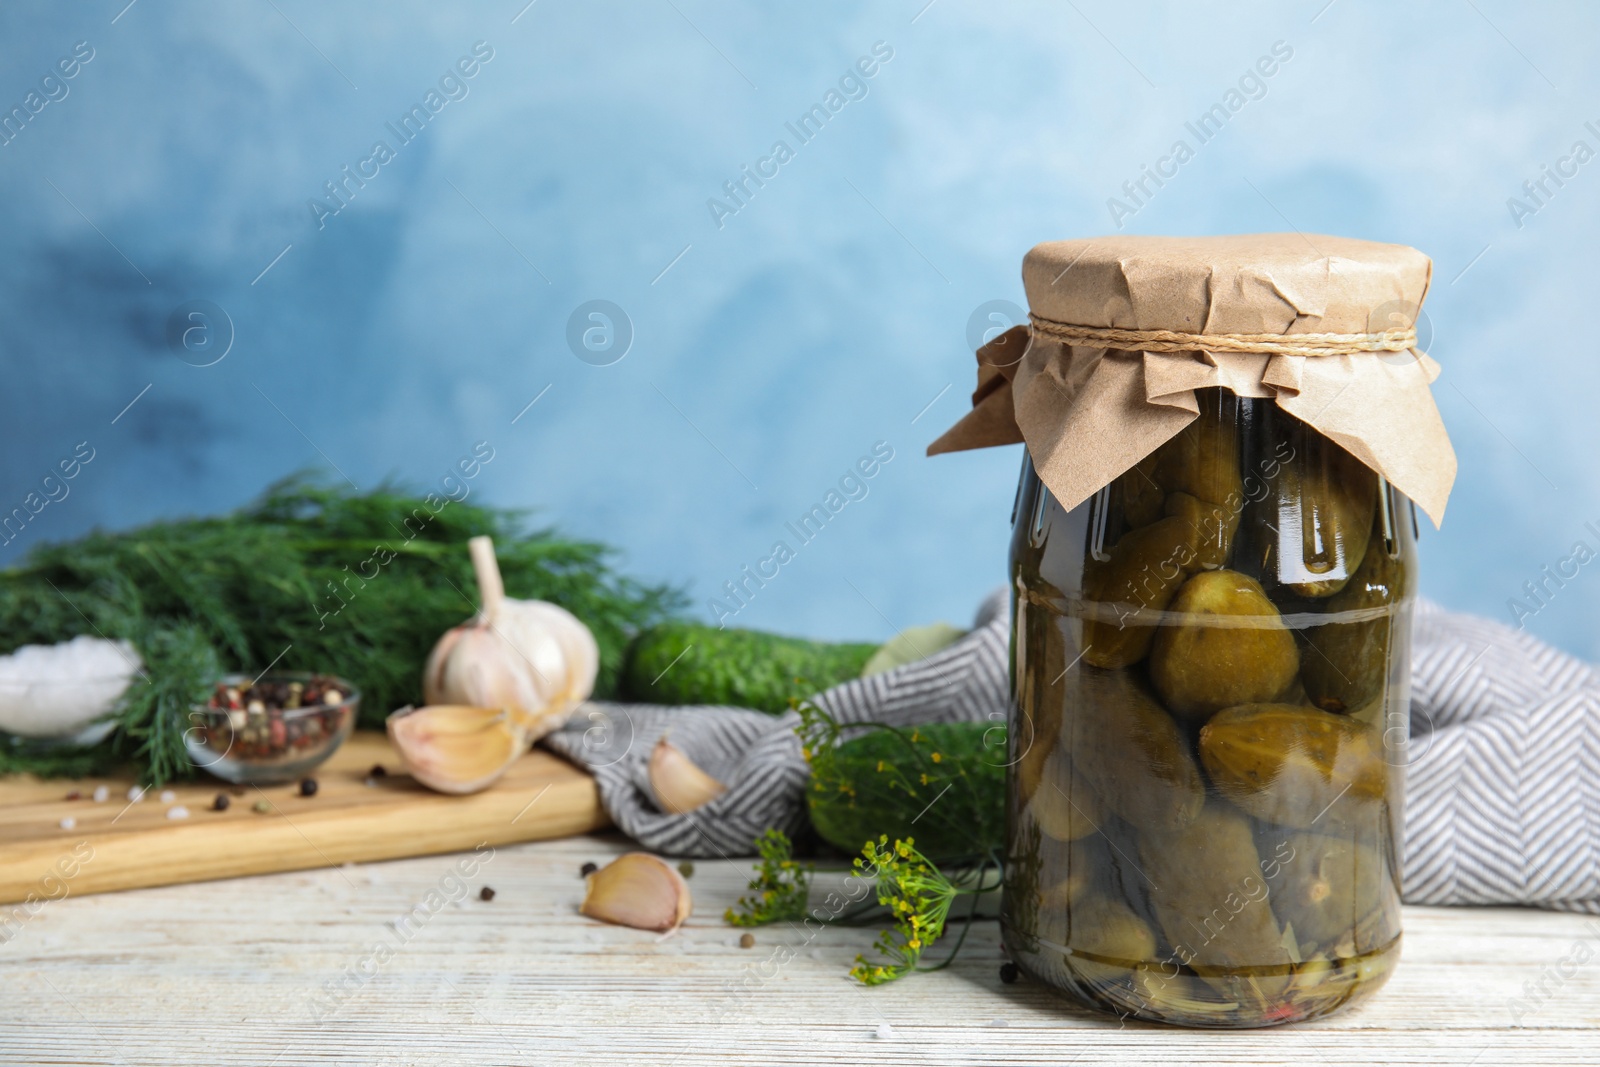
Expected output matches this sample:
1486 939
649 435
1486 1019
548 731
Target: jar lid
1277 283
1124 329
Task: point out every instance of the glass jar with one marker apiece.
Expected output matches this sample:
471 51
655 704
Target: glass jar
1210 712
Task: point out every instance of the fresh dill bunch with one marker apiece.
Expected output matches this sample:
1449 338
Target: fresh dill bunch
918 897
311 577
779 891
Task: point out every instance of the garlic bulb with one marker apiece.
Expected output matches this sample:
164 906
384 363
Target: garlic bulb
455 749
522 655
679 785
59 691
639 890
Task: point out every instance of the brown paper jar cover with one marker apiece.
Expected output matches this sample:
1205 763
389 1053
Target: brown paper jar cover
1088 414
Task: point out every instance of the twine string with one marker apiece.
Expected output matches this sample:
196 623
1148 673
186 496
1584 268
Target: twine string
1277 344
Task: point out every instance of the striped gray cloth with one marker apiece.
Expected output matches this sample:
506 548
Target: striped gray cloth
1502 793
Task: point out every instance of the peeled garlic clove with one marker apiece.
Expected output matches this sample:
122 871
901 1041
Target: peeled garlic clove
680 786
455 749
639 890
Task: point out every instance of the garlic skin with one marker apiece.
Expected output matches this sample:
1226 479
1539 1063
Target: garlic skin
679 785
455 749
60 690
522 655
639 890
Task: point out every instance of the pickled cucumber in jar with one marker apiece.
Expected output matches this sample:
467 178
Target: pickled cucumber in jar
1063 804
1068 874
1224 644
1141 575
1297 767
1345 887
1130 752
1321 503
1107 940
1040 695
1203 459
1347 662
1210 895
1140 495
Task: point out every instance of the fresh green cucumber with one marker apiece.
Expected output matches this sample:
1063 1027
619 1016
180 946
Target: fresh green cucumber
690 663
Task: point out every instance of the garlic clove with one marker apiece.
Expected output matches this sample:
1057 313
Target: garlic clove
680 786
455 749
639 890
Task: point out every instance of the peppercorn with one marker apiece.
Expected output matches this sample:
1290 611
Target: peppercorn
261 807
486 894
686 869
308 787
74 795
1009 972
587 869
220 802
378 771
747 940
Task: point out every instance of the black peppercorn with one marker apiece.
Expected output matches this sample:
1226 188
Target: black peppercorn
220 802
1009 972
308 787
378 771
587 869
486 894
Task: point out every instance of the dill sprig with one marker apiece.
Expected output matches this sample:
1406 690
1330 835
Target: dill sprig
918 897
780 888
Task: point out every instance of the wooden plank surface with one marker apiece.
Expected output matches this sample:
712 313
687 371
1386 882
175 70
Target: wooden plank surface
248 972
122 845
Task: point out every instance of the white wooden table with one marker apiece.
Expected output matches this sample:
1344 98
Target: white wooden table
230 972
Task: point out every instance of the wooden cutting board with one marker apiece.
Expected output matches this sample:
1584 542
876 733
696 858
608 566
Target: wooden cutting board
121 845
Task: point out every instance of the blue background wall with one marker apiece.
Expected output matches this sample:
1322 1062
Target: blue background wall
830 312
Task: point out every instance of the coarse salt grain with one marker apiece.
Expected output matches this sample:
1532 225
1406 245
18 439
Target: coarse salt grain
884 1032
68 823
168 796
101 794
135 794
179 812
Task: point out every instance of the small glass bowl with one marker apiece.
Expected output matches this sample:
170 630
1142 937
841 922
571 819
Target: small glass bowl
269 745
